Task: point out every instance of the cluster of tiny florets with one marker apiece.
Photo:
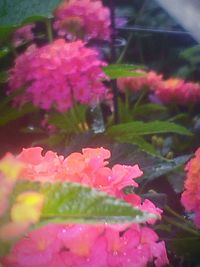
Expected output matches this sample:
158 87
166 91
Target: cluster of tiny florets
57 75
67 245
191 196
83 19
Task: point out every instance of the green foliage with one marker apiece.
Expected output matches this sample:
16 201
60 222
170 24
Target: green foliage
17 12
3 76
135 131
70 202
163 166
76 203
138 128
147 109
122 70
192 54
153 166
71 121
11 113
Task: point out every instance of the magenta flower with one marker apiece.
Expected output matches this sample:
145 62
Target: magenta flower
37 249
58 74
84 19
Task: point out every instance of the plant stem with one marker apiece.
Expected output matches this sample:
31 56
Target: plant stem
121 57
113 60
127 99
181 226
139 99
167 208
49 30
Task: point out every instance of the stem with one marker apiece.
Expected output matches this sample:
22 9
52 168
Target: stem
49 30
181 226
167 208
139 99
127 99
123 53
113 59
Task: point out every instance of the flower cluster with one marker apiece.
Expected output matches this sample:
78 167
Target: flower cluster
178 91
88 246
166 91
23 34
148 80
58 74
191 196
85 19
83 245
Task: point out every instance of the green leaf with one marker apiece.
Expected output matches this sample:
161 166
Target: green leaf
11 113
4 249
4 51
152 165
75 203
147 109
124 113
122 70
17 12
139 141
3 76
162 167
191 54
137 128
70 121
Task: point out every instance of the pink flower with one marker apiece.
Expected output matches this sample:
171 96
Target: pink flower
85 19
191 196
38 249
85 245
145 205
134 247
38 167
58 74
80 239
178 91
148 80
23 34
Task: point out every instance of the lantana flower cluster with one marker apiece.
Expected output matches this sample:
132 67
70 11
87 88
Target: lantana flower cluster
58 74
148 80
191 196
166 91
23 34
85 245
83 19
178 91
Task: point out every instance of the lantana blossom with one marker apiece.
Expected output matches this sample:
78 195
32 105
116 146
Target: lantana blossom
191 196
178 91
146 80
83 19
57 75
163 91
102 245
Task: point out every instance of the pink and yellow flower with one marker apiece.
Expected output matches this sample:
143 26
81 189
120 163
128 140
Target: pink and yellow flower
84 245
